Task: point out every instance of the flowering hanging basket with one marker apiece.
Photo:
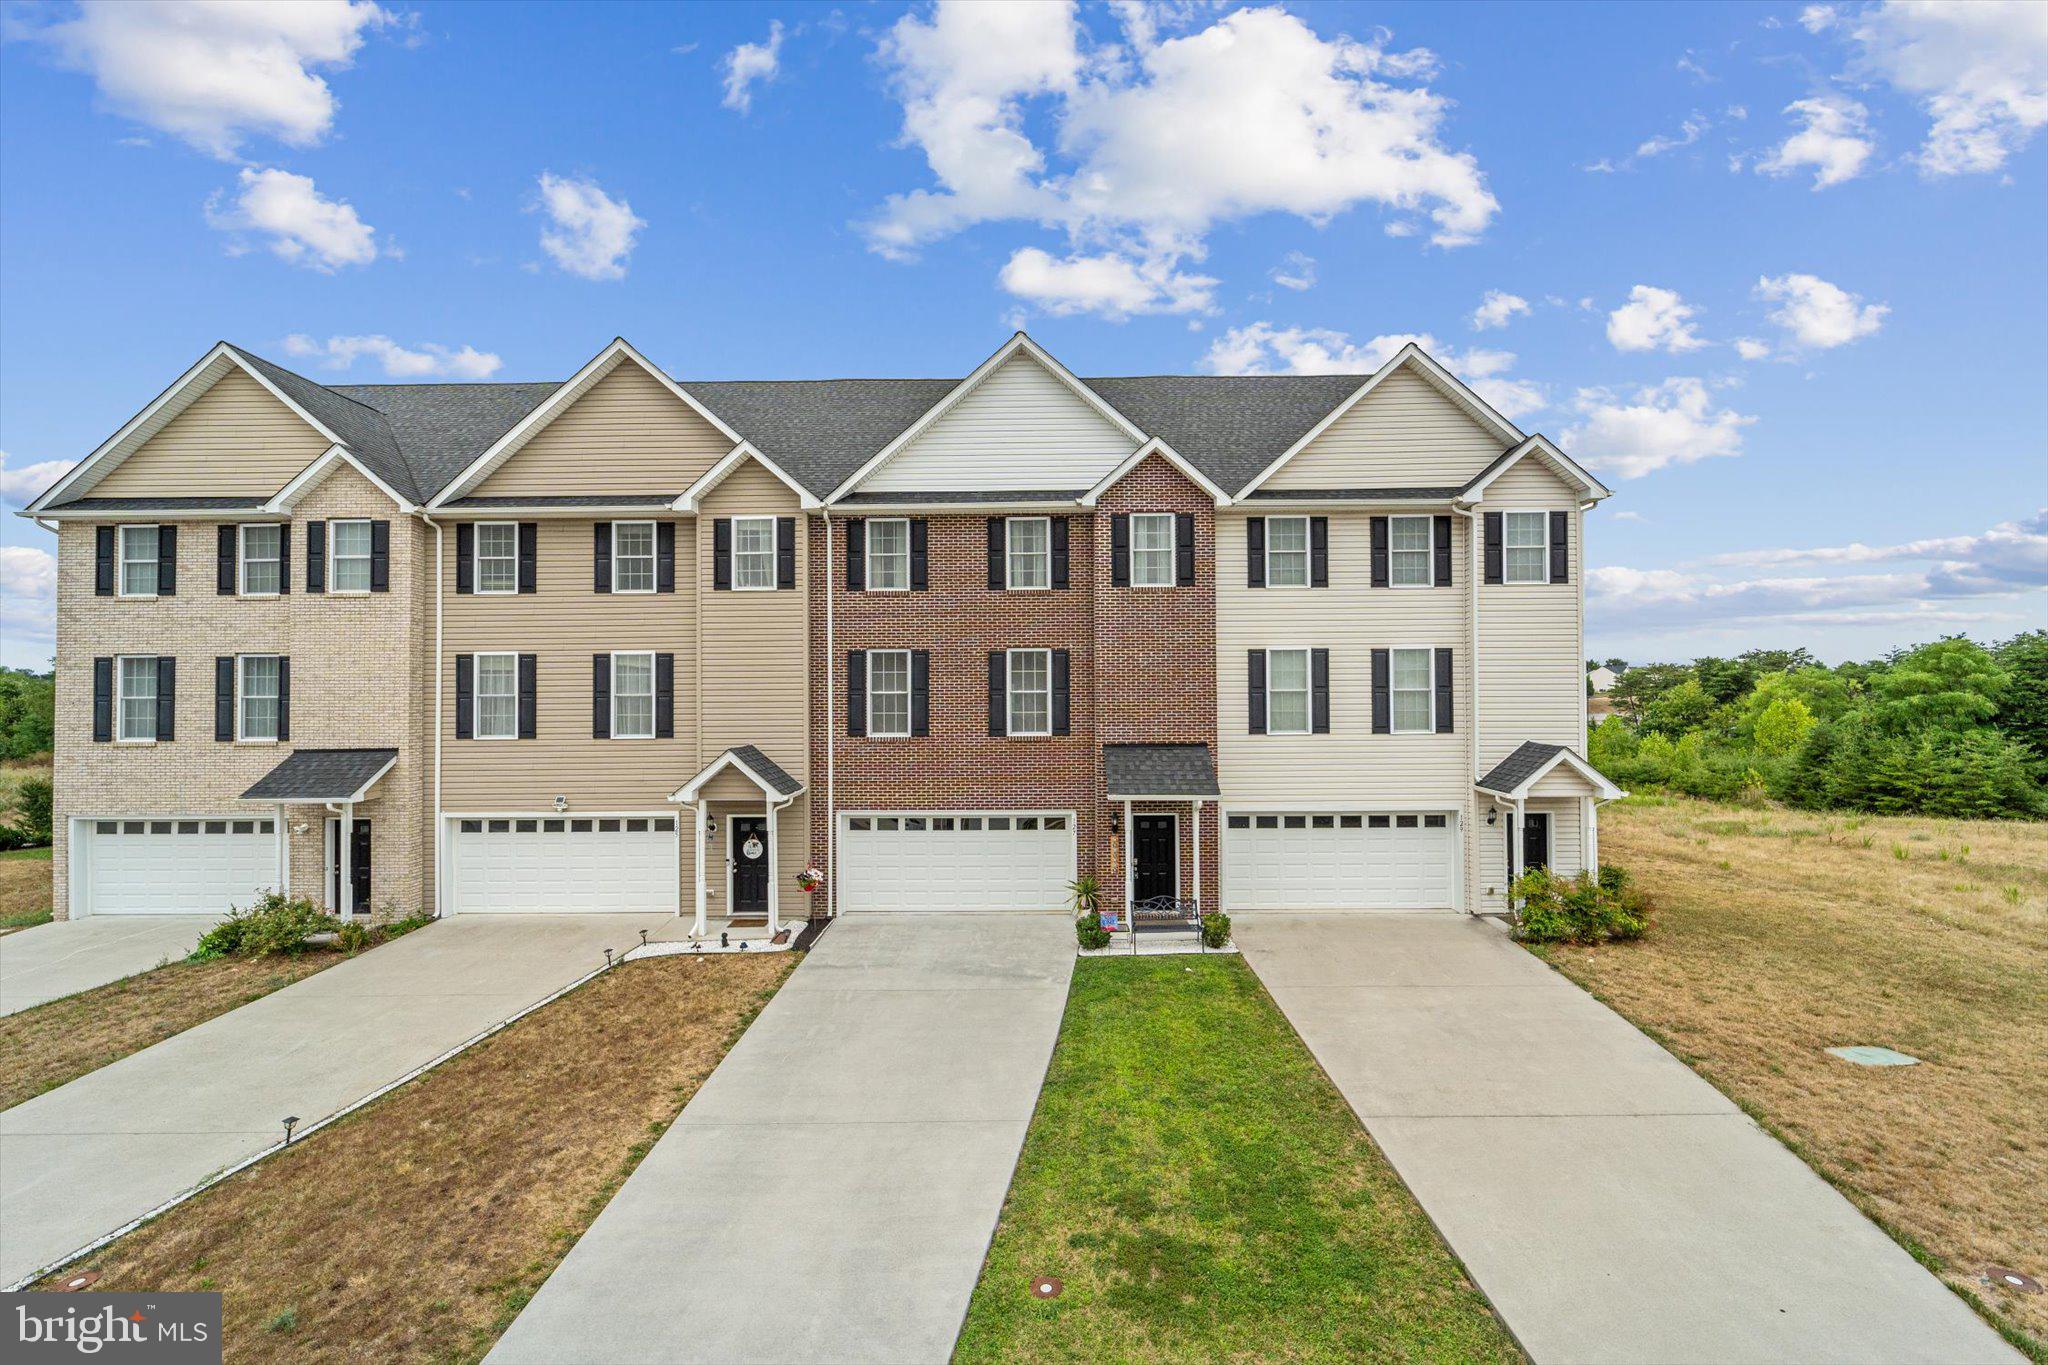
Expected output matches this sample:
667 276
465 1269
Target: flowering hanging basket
810 879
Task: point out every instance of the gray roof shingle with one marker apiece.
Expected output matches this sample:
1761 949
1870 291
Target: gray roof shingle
766 768
1159 770
90 504
320 775
1512 771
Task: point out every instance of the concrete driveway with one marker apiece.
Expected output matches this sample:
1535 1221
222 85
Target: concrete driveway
63 958
86 1158
1612 1204
830 1193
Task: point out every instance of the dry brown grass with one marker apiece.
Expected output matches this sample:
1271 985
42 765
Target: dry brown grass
43 1047
414 1229
1777 934
24 888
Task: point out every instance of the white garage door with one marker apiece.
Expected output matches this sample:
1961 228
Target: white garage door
177 866
947 861
1339 862
565 865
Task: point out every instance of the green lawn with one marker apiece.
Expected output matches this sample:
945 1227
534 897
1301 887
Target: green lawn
1205 1194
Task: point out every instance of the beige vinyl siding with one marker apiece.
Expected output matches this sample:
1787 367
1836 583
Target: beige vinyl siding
235 440
1532 673
732 785
1562 781
627 434
1020 428
1404 434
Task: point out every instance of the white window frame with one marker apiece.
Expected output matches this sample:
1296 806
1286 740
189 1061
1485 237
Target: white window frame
873 557
149 666
476 728
1394 726
477 568
874 729
653 558
1011 692
242 735
1172 578
122 561
242 558
653 691
774 549
1010 583
1507 548
1308 689
368 557
1307 553
1428 551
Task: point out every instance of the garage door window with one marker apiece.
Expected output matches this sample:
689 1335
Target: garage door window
138 698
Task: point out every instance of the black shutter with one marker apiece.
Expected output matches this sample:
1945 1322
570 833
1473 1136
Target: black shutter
1445 709
920 692
1062 710
465 557
284 559
1120 550
1319 552
1255 691
997 575
1380 575
224 561
1184 549
600 696
465 696
380 556
102 700
529 556
284 697
920 555
1442 542
1560 547
1493 547
166 697
664 556
103 561
1059 552
601 557
316 556
529 696
721 554
167 561
856 554
1255 552
1382 693
785 552
664 696
998 694
224 698
1319 691
856 692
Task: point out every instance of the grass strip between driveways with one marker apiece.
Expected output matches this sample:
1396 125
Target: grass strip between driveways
1204 1193
417 1227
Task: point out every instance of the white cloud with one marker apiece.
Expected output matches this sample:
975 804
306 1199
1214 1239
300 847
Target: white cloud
1497 309
217 73
1819 315
1298 271
1637 517
1752 348
750 63
1834 141
590 233
23 486
28 591
2012 552
1688 133
303 226
427 361
1672 423
1819 18
1653 319
1111 285
1980 71
1263 348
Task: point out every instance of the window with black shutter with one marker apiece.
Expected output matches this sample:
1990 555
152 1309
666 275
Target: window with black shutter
316 556
529 556
857 692
1255 691
785 553
856 554
465 696
920 692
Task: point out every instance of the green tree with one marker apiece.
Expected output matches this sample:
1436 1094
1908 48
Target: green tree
1681 709
1724 680
1642 685
1951 684
2023 709
28 706
1766 661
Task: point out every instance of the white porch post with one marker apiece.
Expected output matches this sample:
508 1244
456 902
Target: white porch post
344 894
284 853
697 923
1130 876
1589 833
774 892
1198 855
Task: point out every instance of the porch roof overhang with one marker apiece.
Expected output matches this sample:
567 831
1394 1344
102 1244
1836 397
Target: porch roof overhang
323 775
1159 772
1514 775
763 771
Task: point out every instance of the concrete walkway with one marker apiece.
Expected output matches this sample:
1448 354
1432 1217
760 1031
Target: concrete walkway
1613 1205
830 1193
63 958
86 1158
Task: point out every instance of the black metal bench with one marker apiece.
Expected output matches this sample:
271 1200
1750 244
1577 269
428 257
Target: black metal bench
1165 915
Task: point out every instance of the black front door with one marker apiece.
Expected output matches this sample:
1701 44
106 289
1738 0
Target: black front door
358 901
1535 842
1153 863
749 865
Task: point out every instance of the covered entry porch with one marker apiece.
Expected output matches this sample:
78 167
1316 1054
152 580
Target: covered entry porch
740 815
334 783
1160 796
1541 808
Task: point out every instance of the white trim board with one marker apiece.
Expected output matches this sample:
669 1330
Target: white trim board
1560 464
1155 446
693 496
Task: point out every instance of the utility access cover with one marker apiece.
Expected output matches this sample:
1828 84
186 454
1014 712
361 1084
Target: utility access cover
1873 1056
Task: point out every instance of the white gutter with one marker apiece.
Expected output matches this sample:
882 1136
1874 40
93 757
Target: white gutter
831 734
440 870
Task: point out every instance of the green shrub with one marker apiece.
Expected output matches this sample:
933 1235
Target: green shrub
1089 931
399 928
275 924
12 838
32 809
1215 929
352 936
1581 909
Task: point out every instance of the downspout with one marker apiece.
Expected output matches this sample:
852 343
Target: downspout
440 870
831 734
1472 576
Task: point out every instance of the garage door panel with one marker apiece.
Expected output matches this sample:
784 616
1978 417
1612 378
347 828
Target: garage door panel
554 865
1346 861
178 866
950 862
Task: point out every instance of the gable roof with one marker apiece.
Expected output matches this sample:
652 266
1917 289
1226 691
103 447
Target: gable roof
1514 775
1561 464
764 772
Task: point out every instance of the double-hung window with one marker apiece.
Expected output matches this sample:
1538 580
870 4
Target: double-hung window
256 689
348 556
889 693
137 548
1527 538
1286 552
753 553
632 696
1028 550
497 696
138 697
1288 710
1410 551
1029 689
1413 683
262 561
497 556
888 554
632 556
1152 547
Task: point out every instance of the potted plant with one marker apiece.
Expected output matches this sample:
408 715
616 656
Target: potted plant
809 880
1085 895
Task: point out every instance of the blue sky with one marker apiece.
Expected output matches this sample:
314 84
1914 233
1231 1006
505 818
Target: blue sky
1779 271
